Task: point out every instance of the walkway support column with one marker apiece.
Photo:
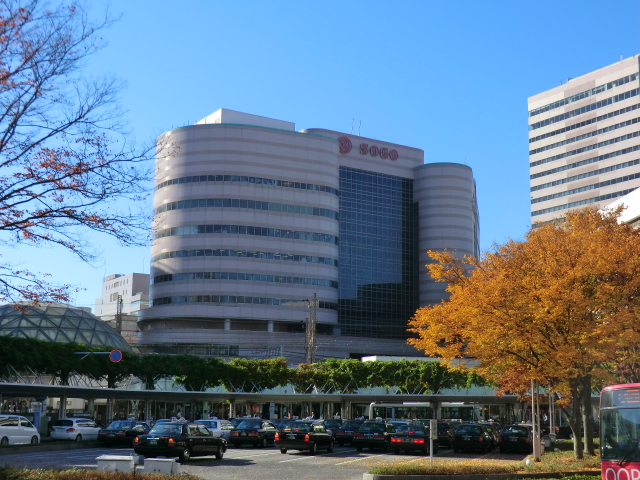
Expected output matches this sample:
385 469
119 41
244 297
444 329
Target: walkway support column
147 410
110 410
62 407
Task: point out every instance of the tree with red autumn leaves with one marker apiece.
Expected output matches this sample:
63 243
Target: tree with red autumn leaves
67 164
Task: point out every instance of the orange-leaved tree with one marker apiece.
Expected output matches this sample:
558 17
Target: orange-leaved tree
67 163
560 308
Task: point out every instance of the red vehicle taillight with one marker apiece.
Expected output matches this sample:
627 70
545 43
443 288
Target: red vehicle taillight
418 440
528 440
306 437
234 434
71 429
339 432
121 434
358 435
136 441
396 440
253 434
378 437
171 442
481 439
410 433
102 434
277 437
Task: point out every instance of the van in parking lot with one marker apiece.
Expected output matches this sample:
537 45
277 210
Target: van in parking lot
17 429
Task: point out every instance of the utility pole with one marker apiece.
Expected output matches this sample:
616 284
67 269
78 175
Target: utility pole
310 345
119 315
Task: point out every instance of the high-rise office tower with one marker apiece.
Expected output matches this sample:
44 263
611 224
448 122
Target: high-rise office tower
584 141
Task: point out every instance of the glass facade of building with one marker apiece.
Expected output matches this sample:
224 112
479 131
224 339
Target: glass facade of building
378 253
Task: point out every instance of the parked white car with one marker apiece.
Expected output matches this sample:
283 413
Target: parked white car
17 429
219 428
74 429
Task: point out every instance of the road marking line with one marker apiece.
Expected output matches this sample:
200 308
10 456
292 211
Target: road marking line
306 458
256 455
358 459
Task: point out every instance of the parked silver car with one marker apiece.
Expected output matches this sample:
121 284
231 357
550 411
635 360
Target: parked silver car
219 428
74 429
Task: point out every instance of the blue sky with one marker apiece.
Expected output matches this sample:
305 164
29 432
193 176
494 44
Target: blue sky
451 78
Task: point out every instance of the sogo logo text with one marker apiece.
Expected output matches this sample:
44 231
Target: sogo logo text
373 150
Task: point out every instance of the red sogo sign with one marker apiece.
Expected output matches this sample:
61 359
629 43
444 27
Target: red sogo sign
365 148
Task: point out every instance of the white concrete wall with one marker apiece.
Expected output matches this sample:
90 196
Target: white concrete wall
447 219
221 149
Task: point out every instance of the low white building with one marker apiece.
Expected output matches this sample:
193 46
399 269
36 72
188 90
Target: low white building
133 291
631 212
133 288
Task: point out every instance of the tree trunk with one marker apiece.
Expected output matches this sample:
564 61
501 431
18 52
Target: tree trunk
587 415
574 419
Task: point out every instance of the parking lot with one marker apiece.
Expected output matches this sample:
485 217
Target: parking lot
345 463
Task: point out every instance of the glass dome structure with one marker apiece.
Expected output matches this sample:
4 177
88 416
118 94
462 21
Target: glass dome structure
58 322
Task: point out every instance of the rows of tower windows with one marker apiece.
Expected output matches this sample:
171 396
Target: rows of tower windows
224 252
592 173
247 179
587 148
249 204
586 135
585 123
585 109
585 94
585 162
238 299
377 253
246 230
582 202
252 277
606 183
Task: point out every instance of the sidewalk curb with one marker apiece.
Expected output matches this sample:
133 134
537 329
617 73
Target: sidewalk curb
495 476
43 447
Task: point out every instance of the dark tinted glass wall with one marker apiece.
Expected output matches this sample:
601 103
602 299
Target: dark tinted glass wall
378 252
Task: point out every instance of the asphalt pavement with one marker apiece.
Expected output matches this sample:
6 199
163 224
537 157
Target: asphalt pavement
345 463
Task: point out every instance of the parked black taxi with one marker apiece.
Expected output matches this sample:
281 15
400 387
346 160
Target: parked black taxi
515 438
304 435
122 432
254 431
179 439
344 433
471 436
445 434
412 437
373 434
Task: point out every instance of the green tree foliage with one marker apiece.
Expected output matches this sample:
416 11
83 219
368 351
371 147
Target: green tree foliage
196 373
254 375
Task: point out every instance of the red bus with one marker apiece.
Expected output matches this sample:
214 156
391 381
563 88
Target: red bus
620 432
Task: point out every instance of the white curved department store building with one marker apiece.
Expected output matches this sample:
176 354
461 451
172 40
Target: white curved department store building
252 218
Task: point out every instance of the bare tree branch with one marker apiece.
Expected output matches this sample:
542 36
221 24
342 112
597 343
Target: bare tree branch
67 163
